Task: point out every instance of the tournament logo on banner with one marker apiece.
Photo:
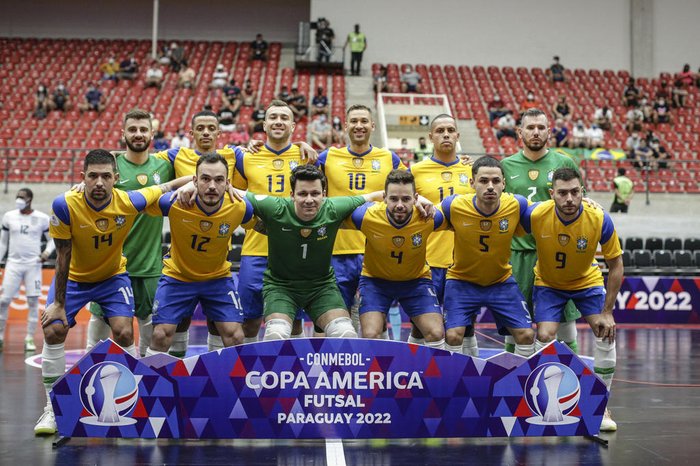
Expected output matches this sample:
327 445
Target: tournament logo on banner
108 391
552 392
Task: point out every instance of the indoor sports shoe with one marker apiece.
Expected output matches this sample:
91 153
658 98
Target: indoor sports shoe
29 345
608 425
46 425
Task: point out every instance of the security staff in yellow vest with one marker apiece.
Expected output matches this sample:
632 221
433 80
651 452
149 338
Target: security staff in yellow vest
358 44
624 191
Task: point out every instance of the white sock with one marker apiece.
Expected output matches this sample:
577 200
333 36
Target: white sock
33 317
152 352
132 350
567 332
145 334
97 331
440 344
250 340
470 346
416 341
539 345
525 350
53 365
604 360
509 340
178 347
385 335
455 349
214 342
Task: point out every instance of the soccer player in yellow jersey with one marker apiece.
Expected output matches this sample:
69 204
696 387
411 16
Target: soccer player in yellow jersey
196 269
359 168
567 233
89 229
438 177
394 266
484 225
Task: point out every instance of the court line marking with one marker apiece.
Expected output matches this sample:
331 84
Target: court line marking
335 455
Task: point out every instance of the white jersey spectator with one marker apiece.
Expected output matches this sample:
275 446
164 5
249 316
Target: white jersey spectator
180 140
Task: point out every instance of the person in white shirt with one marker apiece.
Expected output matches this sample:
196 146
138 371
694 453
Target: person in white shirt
595 136
219 77
21 234
180 140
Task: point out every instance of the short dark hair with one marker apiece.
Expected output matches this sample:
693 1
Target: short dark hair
212 157
397 176
531 112
307 173
566 174
137 114
99 157
440 117
203 113
485 161
354 107
277 103
622 171
27 191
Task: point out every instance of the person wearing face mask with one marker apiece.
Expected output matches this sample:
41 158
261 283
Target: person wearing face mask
60 98
41 101
529 102
180 140
22 231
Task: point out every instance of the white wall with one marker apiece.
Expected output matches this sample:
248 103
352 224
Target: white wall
132 19
676 34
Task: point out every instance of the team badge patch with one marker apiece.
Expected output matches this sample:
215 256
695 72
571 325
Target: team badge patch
376 165
156 178
54 220
142 178
305 232
120 220
446 176
550 175
357 162
205 225
463 178
398 241
321 231
224 228
102 224
533 174
485 225
293 164
503 224
417 240
277 164
581 243
563 239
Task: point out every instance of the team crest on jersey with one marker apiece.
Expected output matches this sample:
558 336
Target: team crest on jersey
205 225
277 164
463 178
322 231
417 240
156 178
485 225
120 220
581 243
376 165
563 239
398 241
102 224
224 228
446 176
54 220
533 174
550 175
357 162
503 224
293 164
142 178
305 232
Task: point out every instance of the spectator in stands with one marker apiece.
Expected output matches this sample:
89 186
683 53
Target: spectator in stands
603 117
578 135
154 75
177 56
631 144
595 137
381 83
424 149
660 155
164 58
497 108
647 110
529 102
324 39
109 69
662 112
663 91
561 109
255 125
634 119
337 130
41 101
555 72
560 134
686 76
93 100
219 77
227 119
406 155
624 191
298 105
248 94
231 96
240 137
358 43
259 48
410 80
680 92
160 143
630 95
506 126
128 69
186 75
180 140
643 155
321 134
284 94
319 104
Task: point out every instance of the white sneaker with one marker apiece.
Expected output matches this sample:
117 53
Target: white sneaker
46 425
29 345
608 425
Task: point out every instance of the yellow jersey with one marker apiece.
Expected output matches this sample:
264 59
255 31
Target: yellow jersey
482 242
436 180
97 234
566 250
184 160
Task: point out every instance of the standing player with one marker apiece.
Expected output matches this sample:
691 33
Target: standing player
529 173
265 172
356 169
438 177
143 246
567 233
484 225
89 229
196 269
23 229
394 266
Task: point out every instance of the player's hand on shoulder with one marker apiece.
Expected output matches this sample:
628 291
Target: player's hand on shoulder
254 146
78 188
308 153
185 195
236 195
466 159
426 209
592 203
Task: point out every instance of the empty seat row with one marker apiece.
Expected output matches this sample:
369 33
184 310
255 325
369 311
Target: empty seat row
654 243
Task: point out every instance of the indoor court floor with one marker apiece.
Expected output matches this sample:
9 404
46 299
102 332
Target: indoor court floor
655 401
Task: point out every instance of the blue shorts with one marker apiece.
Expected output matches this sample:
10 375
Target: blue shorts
439 276
348 268
250 283
114 295
416 297
549 302
176 300
464 300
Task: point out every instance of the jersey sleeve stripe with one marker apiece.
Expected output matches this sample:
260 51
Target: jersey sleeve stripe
438 220
137 199
248 211
607 229
60 209
526 218
165 202
322 160
395 160
359 214
446 206
172 154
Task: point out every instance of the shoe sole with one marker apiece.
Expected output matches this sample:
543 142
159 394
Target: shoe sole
44 431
